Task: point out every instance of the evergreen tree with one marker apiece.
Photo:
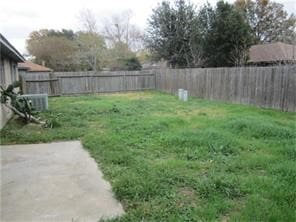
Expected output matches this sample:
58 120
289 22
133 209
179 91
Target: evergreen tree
205 20
172 33
228 38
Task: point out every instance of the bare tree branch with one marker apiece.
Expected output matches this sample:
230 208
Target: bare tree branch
88 21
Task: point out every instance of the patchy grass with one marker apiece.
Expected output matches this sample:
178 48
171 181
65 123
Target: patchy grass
174 161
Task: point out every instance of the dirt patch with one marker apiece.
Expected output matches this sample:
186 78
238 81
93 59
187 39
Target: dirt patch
210 112
187 196
133 96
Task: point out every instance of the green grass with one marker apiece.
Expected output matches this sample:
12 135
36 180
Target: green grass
173 161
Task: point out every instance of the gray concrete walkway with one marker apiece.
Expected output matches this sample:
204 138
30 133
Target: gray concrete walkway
53 182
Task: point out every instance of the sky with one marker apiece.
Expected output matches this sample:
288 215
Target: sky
18 18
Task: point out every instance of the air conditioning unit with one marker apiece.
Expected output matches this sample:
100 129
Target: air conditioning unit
39 101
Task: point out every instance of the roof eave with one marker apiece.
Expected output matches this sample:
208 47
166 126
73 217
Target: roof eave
14 54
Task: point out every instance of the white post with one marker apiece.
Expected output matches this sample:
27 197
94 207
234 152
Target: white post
180 94
185 95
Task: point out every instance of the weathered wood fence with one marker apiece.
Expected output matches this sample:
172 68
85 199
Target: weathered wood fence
67 83
272 87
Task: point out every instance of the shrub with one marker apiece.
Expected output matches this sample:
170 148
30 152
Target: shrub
130 64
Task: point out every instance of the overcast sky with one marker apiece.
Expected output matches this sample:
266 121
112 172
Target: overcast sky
20 17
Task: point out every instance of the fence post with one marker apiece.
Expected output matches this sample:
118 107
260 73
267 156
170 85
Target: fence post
93 82
51 84
154 71
124 82
59 87
23 84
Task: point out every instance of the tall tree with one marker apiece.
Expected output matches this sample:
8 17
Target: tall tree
228 38
172 33
119 29
268 20
52 47
88 21
204 24
91 51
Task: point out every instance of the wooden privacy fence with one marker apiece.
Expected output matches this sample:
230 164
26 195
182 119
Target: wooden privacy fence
272 87
67 83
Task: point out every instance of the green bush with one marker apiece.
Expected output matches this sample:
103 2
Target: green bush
130 64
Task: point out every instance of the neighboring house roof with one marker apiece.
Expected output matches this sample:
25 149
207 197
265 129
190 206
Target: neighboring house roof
273 52
33 67
7 50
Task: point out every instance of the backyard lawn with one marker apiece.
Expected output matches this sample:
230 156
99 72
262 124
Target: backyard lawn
173 161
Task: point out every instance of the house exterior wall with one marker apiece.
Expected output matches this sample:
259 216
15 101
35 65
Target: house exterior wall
9 74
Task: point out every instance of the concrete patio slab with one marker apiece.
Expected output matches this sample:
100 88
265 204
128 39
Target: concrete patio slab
53 182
